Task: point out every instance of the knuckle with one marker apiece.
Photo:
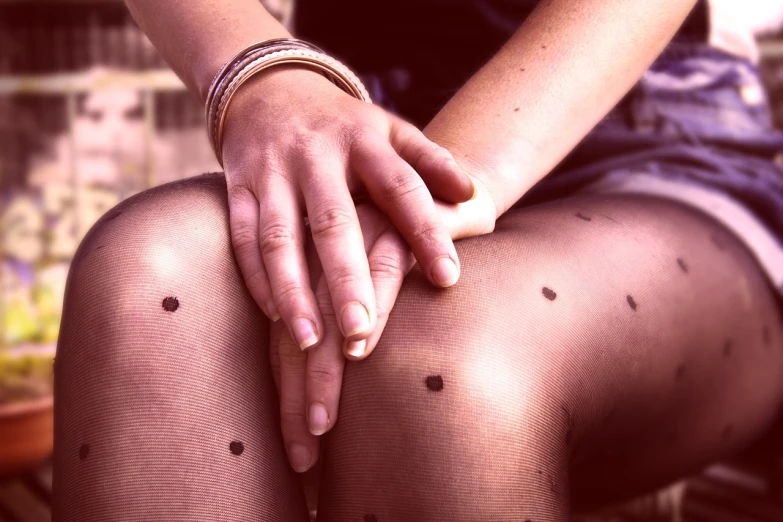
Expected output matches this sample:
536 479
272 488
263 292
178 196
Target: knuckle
325 375
274 236
331 221
309 143
292 412
243 236
385 266
402 186
239 191
342 280
287 291
343 277
426 231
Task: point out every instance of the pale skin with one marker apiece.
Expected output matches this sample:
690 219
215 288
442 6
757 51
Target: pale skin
558 75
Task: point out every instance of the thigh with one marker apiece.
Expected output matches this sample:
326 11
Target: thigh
622 330
165 407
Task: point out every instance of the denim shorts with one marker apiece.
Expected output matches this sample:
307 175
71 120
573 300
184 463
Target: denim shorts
697 128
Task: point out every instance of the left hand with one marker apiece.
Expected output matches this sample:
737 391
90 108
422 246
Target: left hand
309 382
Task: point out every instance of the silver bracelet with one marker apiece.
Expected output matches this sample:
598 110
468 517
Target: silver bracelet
260 57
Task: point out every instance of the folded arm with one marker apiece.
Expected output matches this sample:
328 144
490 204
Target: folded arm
560 73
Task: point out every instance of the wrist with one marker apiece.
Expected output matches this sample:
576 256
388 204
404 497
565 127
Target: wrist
210 60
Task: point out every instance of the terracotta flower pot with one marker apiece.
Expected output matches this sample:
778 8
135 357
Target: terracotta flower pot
26 434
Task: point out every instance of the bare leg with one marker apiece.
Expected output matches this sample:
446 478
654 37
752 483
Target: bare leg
594 348
165 406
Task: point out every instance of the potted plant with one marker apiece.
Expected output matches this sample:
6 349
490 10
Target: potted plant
26 409
29 320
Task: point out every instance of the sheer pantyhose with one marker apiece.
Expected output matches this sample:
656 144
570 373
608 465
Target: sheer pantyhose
594 347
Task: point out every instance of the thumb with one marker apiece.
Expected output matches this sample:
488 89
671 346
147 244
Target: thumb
434 164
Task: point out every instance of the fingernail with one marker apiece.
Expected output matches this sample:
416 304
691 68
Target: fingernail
356 348
444 271
473 186
474 192
300 457
318 419
354 319
304 332
271 311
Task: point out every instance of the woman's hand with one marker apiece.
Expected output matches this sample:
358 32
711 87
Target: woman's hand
295 144
309 382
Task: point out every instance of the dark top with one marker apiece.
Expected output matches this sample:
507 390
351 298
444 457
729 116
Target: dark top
422 51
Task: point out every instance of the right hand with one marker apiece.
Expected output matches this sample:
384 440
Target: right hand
295 145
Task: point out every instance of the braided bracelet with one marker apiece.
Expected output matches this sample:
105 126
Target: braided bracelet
264 55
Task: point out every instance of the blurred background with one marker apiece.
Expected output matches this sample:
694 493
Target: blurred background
89 115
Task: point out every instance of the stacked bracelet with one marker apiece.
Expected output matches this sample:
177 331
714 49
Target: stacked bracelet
259 57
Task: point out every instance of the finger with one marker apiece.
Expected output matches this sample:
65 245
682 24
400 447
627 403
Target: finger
433 163
281 240
398 191
390 261
325 368
275 330
338 240
301 445
243 218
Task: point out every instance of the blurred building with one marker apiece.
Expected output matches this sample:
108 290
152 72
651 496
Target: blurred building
89 114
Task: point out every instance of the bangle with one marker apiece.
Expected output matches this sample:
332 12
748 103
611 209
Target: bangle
264 55
234 65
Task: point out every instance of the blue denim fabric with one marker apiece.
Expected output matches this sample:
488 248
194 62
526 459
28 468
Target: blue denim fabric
698 116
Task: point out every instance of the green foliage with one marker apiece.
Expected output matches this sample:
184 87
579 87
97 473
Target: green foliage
25 376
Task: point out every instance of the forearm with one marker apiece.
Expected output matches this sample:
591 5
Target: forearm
560 73
196 37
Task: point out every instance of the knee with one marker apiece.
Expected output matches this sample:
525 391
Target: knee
460 361
158 235
159 263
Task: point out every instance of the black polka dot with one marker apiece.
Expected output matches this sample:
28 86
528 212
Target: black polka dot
549 293
631 302
170 304
434 382
516 109
583 217
236 447
84 451
370 518
727 347
679 373
539 471
683 265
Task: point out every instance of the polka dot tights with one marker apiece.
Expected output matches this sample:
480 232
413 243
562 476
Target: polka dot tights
594 348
